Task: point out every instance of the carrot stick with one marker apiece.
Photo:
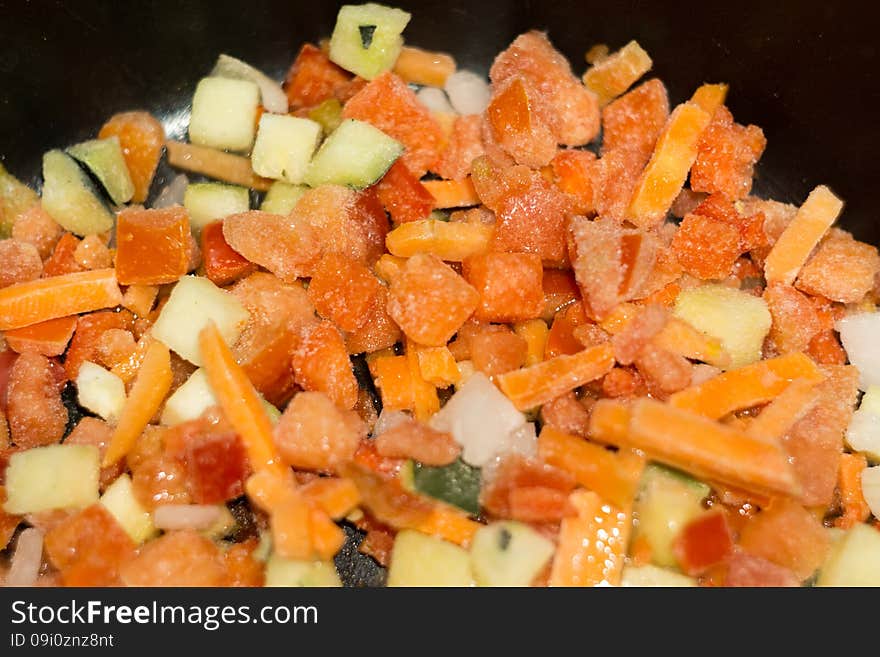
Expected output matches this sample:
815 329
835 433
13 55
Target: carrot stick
419 66
447 240
535 385
609 422
663 177
534 332
614 74
335 495
710 97
849 485
425 398
57 296
452 193
275 492
747 386
613 475
239 400
150 387
780 414
800 237
709 450
591 547
48 338
215 164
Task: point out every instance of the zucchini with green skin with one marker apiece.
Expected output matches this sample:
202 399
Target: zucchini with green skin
224 113
284 146
457 484
367 38
207 202
282 198
15 198
421 560
103 157
356 154
328 114
509 554
70 197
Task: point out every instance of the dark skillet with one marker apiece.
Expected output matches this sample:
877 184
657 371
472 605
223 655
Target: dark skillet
806 72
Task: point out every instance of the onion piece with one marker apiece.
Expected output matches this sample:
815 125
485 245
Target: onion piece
435 100
273 97
27 559
186 516
468 92
871 489
172 193
858 333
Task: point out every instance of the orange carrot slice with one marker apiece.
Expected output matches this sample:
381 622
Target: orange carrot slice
57 296
425 398
849 485
215 164
452 193
139 299
239 400
710 97
446 240
812 221
663 177
709 450
609 422
535 385
336 496
614 74
780 414
747 386
150 387
48 338
591 546
613 475
419 66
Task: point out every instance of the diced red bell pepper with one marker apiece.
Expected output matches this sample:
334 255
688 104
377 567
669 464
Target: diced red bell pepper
404 197
704 542
222 264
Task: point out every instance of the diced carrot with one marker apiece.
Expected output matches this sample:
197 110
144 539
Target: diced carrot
681 338
849 487
532 386
708 449
451 241
344 291
780 414
239 400
515 126
289 512
152 245
48 338
567 414
58 296
509 285
62 260
392 377
710 97
574 172
425 399
561 338
146 396
388 266
128 368
613 475
667 170
334 495
215 164
223 265
313 78
611 76
452 193
534 332
139 299
89 329
437 366
747 386
417 66
327 538
403 195
800 237
591 548
141 136
321 363
497 350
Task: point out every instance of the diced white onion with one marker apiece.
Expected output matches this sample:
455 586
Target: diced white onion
468 92
871 488
863 433
388 420
522 441
435 100
185 516
27 559
172 193
858 333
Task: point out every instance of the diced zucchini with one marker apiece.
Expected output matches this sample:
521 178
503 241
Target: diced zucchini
15 198
190 400
224 525
207 202
328 114
509 554
272 96
649 575
367 38
738 319
284 147
457 483
193 303
421 560
282 198
119 499
103 157
100 391
355 154
224 114
291 572
854 559
52 477
70 198
863 433
666 502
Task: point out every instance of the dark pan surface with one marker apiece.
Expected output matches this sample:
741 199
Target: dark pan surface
806 72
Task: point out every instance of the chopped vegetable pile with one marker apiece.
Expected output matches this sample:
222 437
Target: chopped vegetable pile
530 332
